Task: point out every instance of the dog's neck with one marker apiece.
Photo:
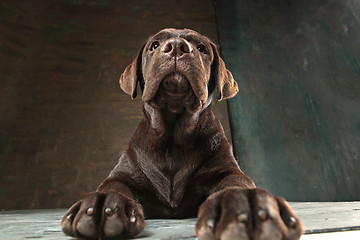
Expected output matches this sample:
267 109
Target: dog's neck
171 118
174 128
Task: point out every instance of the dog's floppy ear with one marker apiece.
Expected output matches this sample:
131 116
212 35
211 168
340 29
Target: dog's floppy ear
224 80
132 75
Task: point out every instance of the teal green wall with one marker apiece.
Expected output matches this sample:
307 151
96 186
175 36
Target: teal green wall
296 120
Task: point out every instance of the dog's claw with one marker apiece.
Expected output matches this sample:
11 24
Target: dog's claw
70 216
210 223
90 211
243 217
292 221
262 214
108 211
132 219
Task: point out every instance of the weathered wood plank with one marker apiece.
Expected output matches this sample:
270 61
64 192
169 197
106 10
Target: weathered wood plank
316 217
329 216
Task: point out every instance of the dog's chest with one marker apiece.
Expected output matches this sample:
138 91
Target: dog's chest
169 174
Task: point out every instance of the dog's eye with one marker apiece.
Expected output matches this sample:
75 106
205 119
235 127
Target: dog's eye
201 48
154 45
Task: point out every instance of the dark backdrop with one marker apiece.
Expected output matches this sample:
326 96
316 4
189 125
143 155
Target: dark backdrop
63 119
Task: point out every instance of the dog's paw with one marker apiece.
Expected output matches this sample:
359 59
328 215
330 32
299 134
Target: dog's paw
238 214
104 215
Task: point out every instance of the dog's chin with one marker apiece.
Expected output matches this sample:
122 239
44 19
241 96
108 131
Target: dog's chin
176 101
175 85
173 102
175 94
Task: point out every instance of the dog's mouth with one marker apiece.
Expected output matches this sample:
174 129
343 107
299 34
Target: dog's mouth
175 94
175 85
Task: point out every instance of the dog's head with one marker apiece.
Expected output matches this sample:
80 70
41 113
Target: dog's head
178 69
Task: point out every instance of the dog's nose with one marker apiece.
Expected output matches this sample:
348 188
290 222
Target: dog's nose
176 47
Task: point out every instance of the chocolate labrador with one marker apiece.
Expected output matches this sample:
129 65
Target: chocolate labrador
179 163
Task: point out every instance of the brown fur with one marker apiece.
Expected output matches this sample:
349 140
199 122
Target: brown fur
178 157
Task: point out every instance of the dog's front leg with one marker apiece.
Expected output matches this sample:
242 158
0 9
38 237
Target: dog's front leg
109 212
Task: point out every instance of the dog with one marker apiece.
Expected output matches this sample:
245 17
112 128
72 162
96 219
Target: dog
179 163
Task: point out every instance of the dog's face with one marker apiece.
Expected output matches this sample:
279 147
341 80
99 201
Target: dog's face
177 70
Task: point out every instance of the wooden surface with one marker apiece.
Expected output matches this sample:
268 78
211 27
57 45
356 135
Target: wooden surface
334 219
